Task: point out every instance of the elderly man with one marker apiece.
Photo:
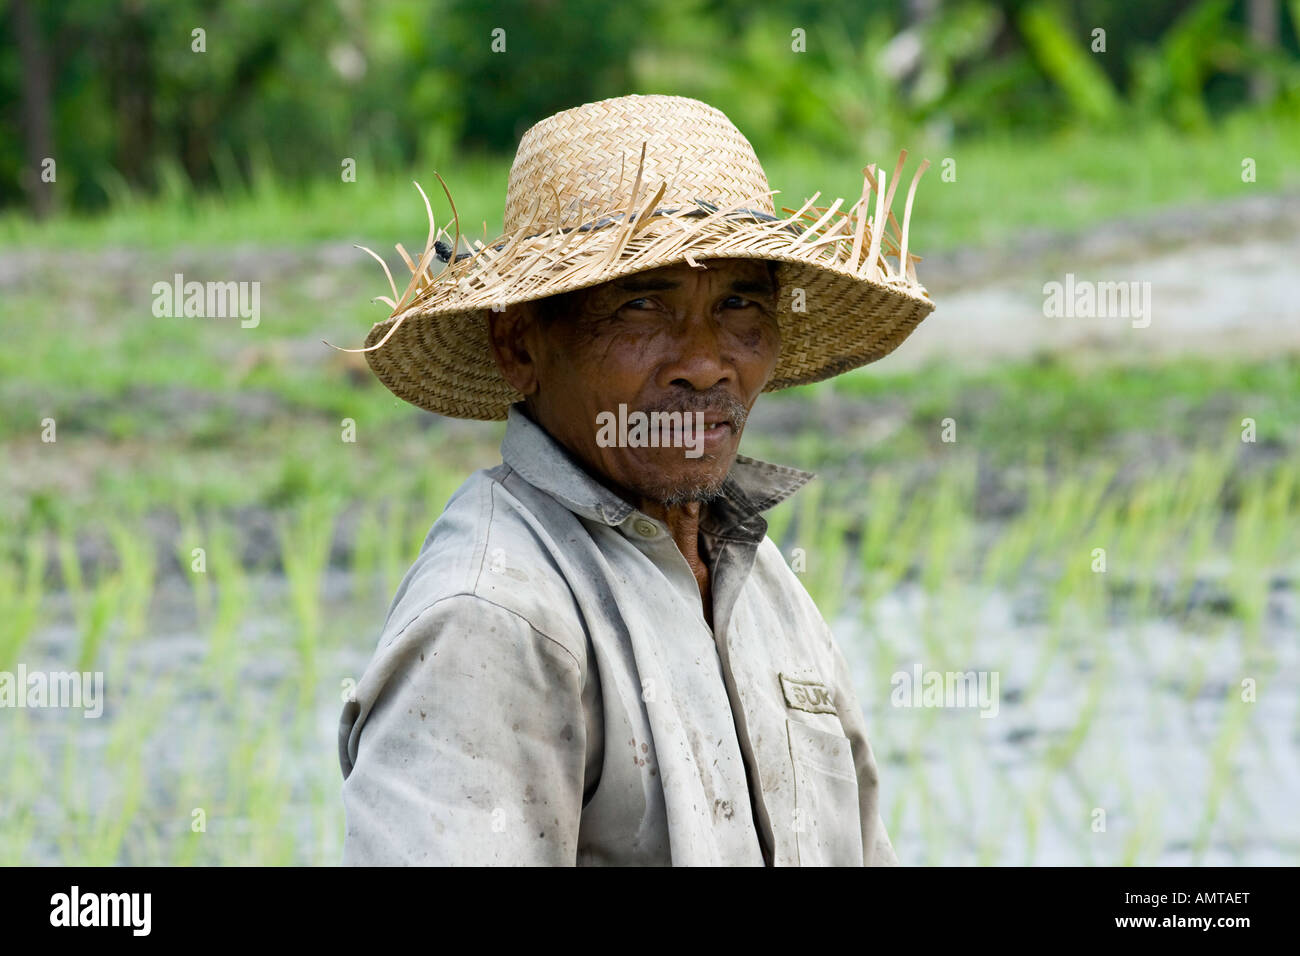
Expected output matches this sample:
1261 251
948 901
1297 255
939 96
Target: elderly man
598 656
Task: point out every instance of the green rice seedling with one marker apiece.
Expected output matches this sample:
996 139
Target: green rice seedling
415 530
258 788
1197 665
188 540
1060 515
1075 585
94 605
1248 577
883 503
269 793
1145 835
1105 528
432 494
949 533
1126 560
957 617
812 500
988 845
1197 514
17 838
1063 751
1279 540
1162 542
1128 586
124 754
1007 552
948 546
1048 650
365 553
305 540
1031 814
225 565
1235 716
146 847
923 802
894 819
186 843
395 560
827 560
1071 516
1091 494
899 551
961 773
1061 812
25 780
322 820
1009 555
21 594
1071 591
1089 783
925 729
74 799
135 555
230 805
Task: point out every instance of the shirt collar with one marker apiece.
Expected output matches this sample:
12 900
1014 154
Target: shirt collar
751 487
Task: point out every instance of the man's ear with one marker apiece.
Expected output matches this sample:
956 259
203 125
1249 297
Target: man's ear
508 333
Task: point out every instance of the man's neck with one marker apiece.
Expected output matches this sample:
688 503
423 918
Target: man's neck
683 522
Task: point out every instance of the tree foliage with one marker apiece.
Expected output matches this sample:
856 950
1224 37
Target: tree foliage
121 96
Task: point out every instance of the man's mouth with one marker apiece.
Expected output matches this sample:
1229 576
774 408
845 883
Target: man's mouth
711 430
708 420
711 426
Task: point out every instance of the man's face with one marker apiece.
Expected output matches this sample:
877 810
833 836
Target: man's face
675 339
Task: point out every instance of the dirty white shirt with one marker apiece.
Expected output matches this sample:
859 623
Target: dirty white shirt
546 690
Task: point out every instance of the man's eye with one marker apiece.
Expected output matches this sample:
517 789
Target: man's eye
737 302
636 304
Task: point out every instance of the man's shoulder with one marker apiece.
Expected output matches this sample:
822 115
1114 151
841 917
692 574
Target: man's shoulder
492 546
777 583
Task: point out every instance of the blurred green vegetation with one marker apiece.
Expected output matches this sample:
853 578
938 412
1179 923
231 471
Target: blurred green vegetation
1003 185
284 92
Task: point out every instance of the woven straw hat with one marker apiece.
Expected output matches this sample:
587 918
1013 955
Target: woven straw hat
635 183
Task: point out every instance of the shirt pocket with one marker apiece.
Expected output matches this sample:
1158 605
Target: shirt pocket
827 824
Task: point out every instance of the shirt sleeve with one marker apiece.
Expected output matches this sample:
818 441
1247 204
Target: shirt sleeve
876 847
466 745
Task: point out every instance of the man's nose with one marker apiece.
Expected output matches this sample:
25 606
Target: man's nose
698 357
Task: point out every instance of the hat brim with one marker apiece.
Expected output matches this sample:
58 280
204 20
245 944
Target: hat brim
437 355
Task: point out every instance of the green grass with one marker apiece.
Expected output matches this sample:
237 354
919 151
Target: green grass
1001 187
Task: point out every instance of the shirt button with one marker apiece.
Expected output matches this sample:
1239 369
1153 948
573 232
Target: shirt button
645 528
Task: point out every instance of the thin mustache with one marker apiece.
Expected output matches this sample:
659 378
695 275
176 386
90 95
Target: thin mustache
726 407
